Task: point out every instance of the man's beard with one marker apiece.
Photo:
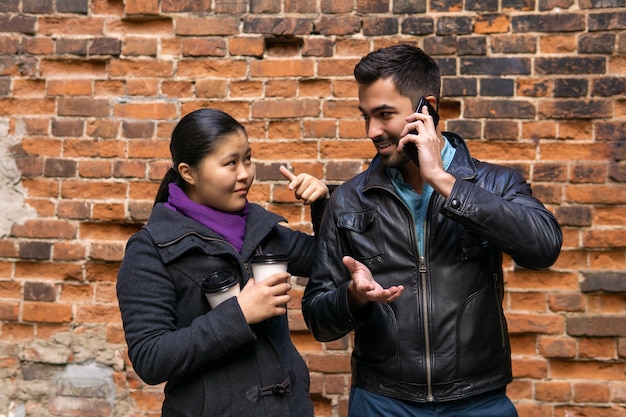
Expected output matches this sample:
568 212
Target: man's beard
393 159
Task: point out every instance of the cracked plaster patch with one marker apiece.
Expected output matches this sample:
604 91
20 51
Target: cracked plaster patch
12 194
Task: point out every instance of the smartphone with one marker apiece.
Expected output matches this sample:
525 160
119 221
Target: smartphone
410 149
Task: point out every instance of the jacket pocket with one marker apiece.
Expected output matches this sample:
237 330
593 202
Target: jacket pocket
379 336
361 232
481 334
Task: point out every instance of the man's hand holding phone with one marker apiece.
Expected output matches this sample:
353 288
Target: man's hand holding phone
409 147
421 141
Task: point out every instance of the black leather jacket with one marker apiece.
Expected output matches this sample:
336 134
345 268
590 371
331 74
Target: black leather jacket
445 338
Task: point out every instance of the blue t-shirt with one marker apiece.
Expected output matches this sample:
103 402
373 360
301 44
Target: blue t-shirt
418 203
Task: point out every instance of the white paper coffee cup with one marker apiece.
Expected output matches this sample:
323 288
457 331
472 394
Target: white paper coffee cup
267 264
219 287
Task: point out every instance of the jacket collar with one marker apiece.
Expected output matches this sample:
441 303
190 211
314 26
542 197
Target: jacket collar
166 227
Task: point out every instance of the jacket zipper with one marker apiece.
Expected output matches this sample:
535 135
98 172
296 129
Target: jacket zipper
422 270
499 303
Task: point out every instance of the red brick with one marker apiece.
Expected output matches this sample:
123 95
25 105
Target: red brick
141 7
17 331
336 67
43 270
553 391
355 150
589 411
338 25
329 363
557 347
319 128
282 68
147 400
336 384
148 149
59 229
535 323
83 107
246 46
142 87
94 169
102 272
203 47
275 109
284 130
306 343
492 23
139 46
29 88
604 238
341 109
72 293
566 302
210 68
281 88
540 280
38 46
154 110
529 367
557 44
27 106
9 311
109 212
47 312
102 128
528 301
93 190
592 370
98 314
602 303
207 26
70 87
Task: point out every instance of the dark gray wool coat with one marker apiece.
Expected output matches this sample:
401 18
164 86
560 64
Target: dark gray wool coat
214 362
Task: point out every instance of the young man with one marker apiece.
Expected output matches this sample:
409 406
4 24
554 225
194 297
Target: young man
410 256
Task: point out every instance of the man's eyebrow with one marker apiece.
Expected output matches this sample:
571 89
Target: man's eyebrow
379 108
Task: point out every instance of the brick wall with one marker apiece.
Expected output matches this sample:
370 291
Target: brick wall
90 90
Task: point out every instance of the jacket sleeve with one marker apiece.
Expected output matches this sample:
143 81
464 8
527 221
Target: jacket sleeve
158 349
509 217
325 301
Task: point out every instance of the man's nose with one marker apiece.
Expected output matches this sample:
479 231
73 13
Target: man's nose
373 129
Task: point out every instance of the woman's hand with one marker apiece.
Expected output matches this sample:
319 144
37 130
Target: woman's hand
305 186
266 299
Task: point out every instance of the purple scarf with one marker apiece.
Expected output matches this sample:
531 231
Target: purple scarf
232 226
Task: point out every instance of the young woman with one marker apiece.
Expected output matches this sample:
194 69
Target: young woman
236 359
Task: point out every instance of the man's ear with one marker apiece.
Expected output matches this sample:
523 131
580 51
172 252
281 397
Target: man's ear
187 173
432 100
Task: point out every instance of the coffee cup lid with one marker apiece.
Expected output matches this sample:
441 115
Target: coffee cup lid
269 258
218 281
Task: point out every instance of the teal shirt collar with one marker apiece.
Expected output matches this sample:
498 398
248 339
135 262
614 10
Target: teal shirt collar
418 203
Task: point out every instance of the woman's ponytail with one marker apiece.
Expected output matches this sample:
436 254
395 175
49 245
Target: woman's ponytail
163 193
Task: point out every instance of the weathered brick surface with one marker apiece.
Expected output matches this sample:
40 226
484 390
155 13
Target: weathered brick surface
89 94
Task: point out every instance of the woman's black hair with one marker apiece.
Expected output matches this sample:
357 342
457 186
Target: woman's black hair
413 73
193 138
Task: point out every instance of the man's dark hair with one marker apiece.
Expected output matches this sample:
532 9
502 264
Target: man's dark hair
414 73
